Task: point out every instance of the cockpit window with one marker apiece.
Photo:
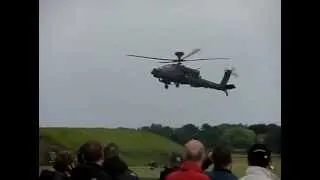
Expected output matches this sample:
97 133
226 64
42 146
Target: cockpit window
168 67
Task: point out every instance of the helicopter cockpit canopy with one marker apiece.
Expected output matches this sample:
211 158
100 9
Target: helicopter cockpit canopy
168 67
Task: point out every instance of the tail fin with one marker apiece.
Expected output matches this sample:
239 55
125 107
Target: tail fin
225 80
226 77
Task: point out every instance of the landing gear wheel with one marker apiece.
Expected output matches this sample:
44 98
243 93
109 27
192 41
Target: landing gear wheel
177 85
166 86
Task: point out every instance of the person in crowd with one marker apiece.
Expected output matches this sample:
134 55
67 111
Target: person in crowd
175 160
115 166
207 162
259 164
191 166
222 161
80 155
91 168
62 167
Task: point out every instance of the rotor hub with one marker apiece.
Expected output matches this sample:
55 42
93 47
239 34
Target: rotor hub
179 54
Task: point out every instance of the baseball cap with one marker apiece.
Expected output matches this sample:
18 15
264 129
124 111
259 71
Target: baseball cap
259 155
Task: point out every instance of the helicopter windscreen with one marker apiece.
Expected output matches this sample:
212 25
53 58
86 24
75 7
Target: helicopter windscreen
168 67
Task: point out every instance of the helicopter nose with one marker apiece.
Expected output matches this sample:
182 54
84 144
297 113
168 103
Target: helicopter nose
154 71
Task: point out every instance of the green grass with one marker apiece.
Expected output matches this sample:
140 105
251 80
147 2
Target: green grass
137 148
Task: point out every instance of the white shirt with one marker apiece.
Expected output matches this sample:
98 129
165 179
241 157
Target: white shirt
259 173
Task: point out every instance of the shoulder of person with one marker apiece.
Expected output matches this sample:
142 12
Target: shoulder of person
250 177
105 176
204 176
232 176
201 176
46 173
172 175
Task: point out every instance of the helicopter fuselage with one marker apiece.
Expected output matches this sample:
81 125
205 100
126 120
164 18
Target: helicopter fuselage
175 73
180 74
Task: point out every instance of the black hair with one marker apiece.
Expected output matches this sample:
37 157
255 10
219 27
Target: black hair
80 155
221 157
62 161
92 151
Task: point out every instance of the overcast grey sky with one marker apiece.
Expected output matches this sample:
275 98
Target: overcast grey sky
85 78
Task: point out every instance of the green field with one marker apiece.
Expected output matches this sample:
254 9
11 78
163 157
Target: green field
137 148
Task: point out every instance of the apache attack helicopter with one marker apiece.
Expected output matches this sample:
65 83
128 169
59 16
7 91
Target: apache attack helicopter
175 72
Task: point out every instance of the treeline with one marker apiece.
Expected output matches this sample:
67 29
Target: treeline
236 136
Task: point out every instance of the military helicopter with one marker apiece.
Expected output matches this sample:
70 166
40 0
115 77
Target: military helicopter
175 72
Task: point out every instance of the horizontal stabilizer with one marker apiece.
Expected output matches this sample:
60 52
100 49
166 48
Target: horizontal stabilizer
230 86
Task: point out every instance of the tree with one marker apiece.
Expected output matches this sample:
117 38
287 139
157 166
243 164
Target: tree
211 137
205 127
259 128
187 132
233 135
273 139
237 137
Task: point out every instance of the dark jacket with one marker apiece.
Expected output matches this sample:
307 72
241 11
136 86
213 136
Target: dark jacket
53 175
206 164
221 174
89 172
118 169
167 171
188 170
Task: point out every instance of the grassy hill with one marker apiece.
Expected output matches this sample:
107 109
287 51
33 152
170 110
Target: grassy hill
137 147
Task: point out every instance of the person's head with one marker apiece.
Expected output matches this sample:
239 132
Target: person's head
221 158
195 151
80 155
259 155
175 160
111 150
92 152
64 161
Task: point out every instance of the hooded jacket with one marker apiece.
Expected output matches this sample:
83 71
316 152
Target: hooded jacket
221 174
259 173
118 169
89 172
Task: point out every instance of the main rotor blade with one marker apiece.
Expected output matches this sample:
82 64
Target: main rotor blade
191 53
206 59
165 62
150 57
